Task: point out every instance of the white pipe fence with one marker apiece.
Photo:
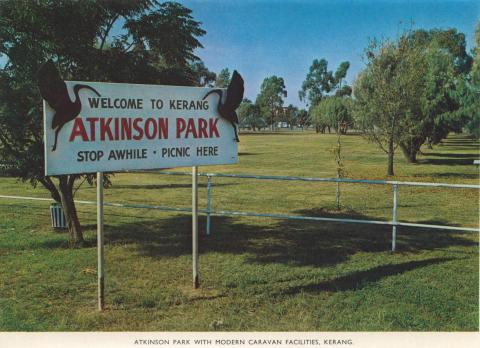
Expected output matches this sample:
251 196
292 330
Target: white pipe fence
209 212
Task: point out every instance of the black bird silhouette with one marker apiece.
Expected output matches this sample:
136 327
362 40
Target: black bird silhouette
54 90
233 99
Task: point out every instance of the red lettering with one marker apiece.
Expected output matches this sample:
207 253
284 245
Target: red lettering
213 127
92 121
163 128
148 134
191 128
202 128
126 128
137 128
78 130
117 121
105 128
181 124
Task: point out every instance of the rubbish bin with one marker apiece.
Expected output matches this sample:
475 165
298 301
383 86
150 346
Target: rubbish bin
58 218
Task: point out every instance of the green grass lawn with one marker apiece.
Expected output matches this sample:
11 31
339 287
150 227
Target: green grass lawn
256 274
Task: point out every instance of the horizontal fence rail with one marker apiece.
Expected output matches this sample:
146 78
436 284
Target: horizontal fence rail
209 212
252 214
299 178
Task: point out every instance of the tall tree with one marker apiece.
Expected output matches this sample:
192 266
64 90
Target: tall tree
468 92
473 122
270 98
321 82
291 113
223 78
385 94
476 55
446 65
156 45
249 115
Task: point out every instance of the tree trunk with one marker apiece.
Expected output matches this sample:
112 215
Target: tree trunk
317 129
390 158
68 205
50 186
430 143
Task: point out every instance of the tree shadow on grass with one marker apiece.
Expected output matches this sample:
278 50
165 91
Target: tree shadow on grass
457 143
446 161
448 158
460 142
471 156
358 280
293 242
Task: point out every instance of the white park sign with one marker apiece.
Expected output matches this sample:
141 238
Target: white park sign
111 127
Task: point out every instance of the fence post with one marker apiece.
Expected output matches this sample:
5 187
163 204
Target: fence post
209 202
394 217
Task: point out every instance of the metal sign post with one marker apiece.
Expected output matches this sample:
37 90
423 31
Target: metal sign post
101 268
209 203
196 280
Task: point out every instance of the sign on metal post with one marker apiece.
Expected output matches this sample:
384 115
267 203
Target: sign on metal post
111 127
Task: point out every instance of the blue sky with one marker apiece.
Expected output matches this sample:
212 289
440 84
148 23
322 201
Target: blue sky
261 38
273 37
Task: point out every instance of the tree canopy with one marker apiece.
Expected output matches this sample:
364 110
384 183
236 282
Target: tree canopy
223 78
335 112
270 98
321 82
202 76
468 92
384 92
155 45
250 116
446 65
